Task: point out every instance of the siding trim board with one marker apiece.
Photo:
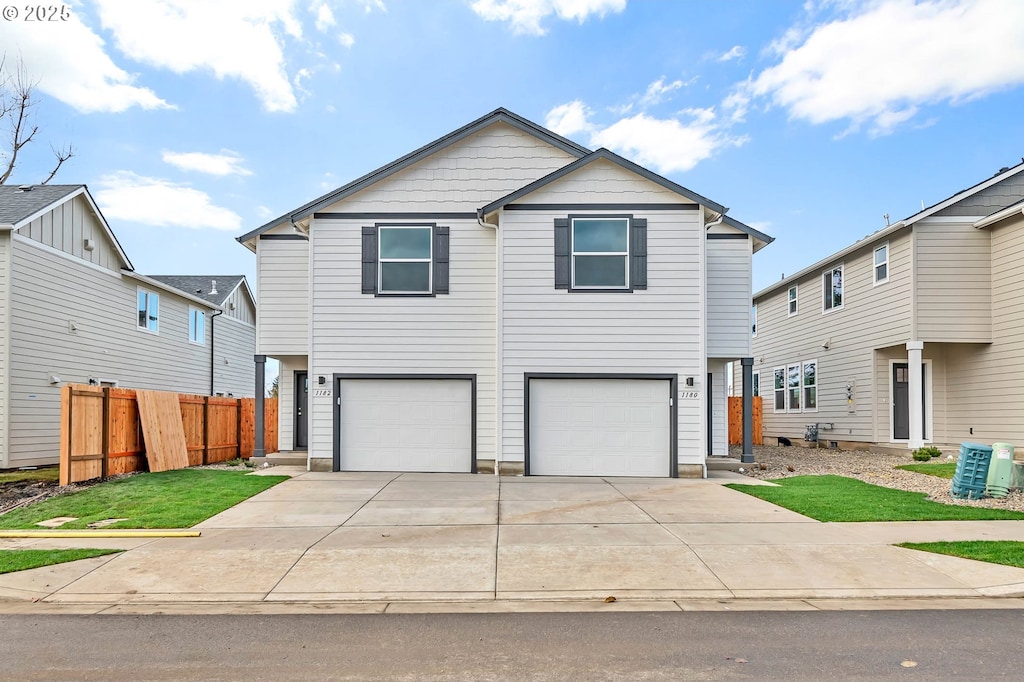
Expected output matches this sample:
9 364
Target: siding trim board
601 207
397 215
339 377
673 407
285 237
725 235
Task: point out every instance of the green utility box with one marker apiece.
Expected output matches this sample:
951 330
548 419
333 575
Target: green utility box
1000 470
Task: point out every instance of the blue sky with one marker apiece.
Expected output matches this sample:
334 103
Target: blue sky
194 122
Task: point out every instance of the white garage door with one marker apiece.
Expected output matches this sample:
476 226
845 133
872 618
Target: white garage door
599 427
406 425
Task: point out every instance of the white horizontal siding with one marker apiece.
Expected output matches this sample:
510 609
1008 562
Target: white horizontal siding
282 326
467 175
286 401
234 347
447 334
5 291
954 282
656 331
729 297
49 293
719 408
66 228
872 317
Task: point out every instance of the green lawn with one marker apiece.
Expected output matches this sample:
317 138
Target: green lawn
12 560
1007 552
940 469
170 499
836 498
18 476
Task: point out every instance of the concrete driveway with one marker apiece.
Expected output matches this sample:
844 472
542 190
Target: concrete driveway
380 538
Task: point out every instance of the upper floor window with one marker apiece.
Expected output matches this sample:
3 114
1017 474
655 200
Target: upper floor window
832 288
792 300
405 259
149 311
196 326
753 320
600 253
882 264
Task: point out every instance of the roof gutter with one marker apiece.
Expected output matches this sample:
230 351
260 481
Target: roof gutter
999 215
4 227
483 223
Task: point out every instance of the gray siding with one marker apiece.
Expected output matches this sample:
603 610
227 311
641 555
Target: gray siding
282 326
5 292
954 282
446 334
66 228
728 292
986 381
471 173
659 330
990 199
872 317
605 182
234 369
239 307
49 293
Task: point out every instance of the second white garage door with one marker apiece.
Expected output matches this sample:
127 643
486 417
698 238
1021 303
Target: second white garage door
406 425
600 427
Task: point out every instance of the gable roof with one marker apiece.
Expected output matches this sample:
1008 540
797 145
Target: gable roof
1002 214
632 168
19 206
886 231
498 115
201 286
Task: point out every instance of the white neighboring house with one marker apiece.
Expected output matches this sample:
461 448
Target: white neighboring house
73 310
505 298
913 335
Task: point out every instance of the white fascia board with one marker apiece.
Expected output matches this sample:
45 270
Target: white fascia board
999 215
150 282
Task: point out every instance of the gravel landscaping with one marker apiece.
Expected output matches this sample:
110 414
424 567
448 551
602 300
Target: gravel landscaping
871 467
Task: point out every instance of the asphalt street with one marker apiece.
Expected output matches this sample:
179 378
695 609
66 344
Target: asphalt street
867 645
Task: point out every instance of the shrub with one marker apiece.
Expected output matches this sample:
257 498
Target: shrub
926 453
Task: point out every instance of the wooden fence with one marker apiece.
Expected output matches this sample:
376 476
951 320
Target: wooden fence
101 435
736 421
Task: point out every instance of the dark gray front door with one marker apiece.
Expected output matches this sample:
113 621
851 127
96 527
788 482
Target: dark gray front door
301 402
901 401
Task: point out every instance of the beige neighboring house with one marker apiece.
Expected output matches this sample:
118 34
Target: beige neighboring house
505 298
73 310
913 335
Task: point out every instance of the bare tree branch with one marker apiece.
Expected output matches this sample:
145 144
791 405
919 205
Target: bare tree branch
62 155
16 104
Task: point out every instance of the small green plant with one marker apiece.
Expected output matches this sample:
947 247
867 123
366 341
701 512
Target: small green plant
926 453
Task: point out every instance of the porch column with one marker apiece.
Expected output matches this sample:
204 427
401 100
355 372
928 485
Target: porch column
261 390
916 398
748 411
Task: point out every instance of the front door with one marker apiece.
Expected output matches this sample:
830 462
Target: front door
301 402
901 401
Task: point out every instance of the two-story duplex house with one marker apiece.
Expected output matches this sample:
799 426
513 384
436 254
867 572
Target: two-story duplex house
504 298
73 310
912 335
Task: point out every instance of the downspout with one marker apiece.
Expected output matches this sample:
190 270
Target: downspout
212 348
481 222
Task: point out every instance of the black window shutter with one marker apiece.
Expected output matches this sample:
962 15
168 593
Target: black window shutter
561 253
638 254
440 259
369 260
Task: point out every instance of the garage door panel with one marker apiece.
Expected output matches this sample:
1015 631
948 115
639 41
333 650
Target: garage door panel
406 425
600 427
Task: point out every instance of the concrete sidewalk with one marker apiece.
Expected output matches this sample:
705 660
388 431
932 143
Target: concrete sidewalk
354 542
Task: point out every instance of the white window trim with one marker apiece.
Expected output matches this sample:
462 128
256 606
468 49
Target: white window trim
148 293
753 321
874 267
842 268
800 387
928 397
785 400
573 252
381 260
803 386
791 301
191 311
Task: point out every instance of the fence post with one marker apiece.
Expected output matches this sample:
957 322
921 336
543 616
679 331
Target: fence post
206 429
238 426
65 434
105 465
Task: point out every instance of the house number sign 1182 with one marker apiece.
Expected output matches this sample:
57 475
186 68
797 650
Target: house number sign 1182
321 393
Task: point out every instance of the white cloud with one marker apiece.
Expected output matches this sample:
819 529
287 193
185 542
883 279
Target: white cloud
525 16
324 17
667 144
263 212
877 64
346 39
659 90
68 61
569 119
226 162
737 52
230 39
123 195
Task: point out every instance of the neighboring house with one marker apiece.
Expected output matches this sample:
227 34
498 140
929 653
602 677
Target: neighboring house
912 335
504 297
73 310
